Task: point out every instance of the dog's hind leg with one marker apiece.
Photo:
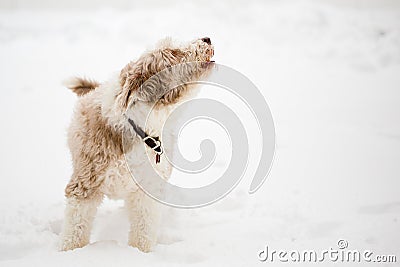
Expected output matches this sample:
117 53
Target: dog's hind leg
79 215
144 217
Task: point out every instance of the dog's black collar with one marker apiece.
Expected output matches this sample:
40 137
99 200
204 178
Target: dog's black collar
153 142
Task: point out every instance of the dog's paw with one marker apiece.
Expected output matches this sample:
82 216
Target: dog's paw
65 246
143 244
72 243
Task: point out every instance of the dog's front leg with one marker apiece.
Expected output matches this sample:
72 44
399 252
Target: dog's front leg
144 217
79 215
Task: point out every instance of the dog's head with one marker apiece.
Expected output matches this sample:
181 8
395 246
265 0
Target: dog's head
163 75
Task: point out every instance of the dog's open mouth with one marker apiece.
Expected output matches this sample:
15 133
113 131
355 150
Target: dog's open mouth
210 55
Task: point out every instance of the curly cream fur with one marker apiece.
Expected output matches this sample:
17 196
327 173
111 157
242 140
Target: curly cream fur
99 128
81 86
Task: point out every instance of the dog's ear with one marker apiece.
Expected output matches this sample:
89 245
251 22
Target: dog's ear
177 55
136 73
130 80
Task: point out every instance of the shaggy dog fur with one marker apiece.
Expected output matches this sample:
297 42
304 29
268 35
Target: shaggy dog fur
99 127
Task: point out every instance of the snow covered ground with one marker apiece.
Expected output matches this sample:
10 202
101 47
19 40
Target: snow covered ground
330 71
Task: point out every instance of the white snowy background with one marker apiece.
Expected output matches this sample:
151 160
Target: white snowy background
329 70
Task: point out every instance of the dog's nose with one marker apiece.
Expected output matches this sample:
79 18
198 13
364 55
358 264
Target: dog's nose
206 40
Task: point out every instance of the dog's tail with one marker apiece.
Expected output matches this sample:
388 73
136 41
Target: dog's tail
81 86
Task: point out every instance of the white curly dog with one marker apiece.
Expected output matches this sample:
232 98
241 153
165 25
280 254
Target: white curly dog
100 133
